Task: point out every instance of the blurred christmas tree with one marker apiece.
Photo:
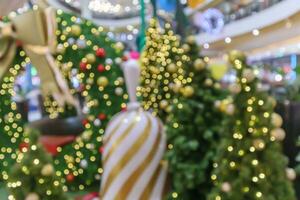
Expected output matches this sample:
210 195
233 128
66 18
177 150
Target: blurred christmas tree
33 176
249 164
90 60
162 69
193 129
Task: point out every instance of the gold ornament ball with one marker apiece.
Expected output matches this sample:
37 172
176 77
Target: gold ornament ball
236 55
47 170
259 144
32 196
276 120
272 101
172 68
248 74
102 81
186 47
191 39
75 30
234 88
176 87
230 108
217 104
217 85
291 174
226 187
188 91
163 104
119 46
278 134
120 80
91 58
199 64
60 49
208 82
90 80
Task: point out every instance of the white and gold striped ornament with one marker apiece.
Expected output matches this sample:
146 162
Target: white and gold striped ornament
134 145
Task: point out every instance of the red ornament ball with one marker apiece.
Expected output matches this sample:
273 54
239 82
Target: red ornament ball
70 177
125 58
102 116
100 53
101 149
85 122
101 68
19 43
124 109
23 146
83 66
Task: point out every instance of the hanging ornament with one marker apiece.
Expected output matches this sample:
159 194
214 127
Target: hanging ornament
119 91
108 61
230 108
259 144
172 68
276 120
186 47
23 146
120 80
188 91
199 64
47 170
234 88
119 46
291 174
90 80
91 58
101 149
97 122
100 53
191 39
81 43
32 196
84 164
84 122
102 116
71 41
163 104
102 81
75 30
278 134
208 82
60 49
101 68
248 74
118 60
70 177
226 187
83 66
140 151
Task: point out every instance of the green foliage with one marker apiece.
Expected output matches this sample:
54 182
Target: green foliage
249 163
33 174
193 130
11 123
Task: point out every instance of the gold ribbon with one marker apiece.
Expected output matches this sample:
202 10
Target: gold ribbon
36 30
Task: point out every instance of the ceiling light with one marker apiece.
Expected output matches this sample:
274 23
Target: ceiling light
228 40
255 32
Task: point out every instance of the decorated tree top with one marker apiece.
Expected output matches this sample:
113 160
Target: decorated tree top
194 128
250 164
162 69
